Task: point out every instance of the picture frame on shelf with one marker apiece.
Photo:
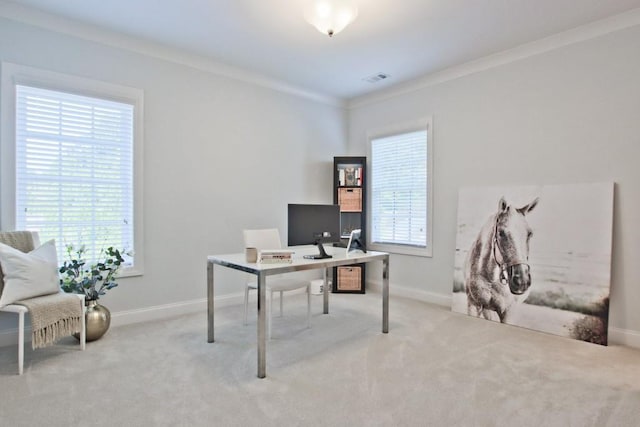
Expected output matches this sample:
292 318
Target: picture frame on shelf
350 176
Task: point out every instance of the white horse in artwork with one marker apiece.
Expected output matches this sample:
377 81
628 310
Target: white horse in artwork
497 274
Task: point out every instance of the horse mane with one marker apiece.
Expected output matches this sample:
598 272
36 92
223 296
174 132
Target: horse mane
482 251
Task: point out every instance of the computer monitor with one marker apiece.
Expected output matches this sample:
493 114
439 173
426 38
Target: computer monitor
314 225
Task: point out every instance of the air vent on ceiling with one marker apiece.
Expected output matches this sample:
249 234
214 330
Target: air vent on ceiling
375 78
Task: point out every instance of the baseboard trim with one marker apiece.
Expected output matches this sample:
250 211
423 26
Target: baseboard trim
624 337
8 337
617 336
415 294
166 311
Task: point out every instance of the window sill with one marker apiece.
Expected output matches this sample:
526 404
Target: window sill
130 272
401 250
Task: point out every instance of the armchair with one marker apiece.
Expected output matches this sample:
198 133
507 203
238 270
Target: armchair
54 314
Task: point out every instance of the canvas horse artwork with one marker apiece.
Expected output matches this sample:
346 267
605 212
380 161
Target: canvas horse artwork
536 256
497 273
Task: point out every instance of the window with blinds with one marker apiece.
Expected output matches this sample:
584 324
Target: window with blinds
74 169
399 192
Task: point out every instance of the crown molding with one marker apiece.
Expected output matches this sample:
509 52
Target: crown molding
62 25
576 35
37 18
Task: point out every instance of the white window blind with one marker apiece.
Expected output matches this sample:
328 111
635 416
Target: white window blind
399 189
74 169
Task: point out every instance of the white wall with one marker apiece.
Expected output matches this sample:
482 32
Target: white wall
564 116
220 155
569 115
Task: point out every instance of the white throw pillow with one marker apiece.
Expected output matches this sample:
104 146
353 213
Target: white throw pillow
28 275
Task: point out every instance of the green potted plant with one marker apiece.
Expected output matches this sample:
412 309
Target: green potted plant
92 280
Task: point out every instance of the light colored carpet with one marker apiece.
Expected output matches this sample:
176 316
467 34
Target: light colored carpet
434 368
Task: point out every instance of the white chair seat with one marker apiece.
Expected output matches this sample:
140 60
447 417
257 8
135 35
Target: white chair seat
21 310
281 284
280 287
270 238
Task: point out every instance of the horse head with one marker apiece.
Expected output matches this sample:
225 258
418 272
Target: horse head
511 245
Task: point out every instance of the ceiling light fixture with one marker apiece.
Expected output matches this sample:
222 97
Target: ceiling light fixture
330 16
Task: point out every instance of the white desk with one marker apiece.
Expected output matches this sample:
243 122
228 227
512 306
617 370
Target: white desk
237 262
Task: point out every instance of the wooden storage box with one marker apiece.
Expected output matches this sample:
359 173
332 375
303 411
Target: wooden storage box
349 278
350 199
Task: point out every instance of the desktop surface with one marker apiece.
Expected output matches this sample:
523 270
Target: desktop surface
339 257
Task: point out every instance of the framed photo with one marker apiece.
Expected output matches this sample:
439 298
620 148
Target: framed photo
350 176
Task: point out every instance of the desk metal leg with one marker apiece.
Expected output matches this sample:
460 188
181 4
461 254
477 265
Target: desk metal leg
210 301
262 326
325 291
385 295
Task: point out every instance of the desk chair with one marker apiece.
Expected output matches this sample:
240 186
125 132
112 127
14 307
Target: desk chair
270 239
20 310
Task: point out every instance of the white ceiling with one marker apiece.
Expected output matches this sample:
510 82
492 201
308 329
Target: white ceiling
403 38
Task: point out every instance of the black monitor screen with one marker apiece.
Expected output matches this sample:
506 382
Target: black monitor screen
313 225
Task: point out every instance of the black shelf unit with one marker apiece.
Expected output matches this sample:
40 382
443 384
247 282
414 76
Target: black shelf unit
349 191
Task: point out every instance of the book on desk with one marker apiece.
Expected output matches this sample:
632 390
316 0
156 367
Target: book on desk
275 256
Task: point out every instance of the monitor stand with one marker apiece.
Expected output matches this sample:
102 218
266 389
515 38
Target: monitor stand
322 255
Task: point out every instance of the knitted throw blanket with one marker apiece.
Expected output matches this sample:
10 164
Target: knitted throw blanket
53 317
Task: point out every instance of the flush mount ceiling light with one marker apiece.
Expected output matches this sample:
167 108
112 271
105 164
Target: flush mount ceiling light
330 16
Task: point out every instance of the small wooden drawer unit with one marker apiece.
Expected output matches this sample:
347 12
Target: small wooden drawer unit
350 199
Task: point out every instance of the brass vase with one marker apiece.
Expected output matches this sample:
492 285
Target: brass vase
97 320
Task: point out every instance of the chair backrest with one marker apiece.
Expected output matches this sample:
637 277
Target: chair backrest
24 241
268 238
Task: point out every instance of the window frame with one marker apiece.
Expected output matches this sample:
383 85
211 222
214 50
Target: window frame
12 75
401 128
